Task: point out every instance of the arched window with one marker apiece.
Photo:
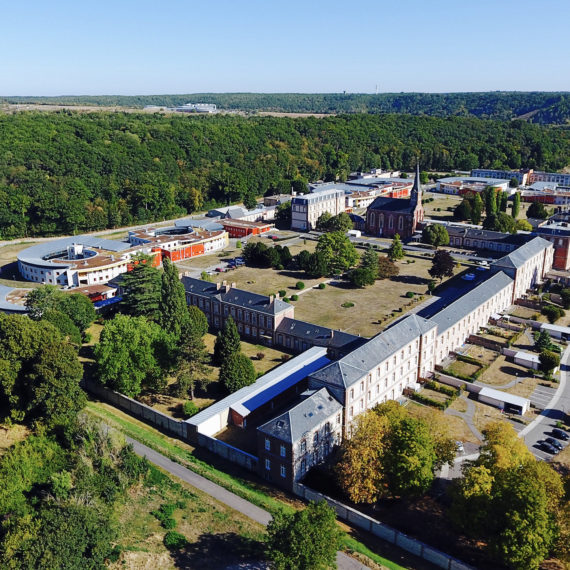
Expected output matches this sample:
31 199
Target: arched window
391 222
401 223
381 221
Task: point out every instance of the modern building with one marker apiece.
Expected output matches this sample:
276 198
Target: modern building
522 175
243 228
461 185
389 216
299 438
196 108
306 209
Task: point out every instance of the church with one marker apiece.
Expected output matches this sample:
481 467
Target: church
389 216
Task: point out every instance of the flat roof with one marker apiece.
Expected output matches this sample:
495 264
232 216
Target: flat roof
473 180
527 356
35 255
275 376
548 326
6 305
505 397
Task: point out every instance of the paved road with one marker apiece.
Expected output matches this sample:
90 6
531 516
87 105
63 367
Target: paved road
250 510
555 410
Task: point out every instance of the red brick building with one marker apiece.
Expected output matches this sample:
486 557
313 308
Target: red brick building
389 216
243 228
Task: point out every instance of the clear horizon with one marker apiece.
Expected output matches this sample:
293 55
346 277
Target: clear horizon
137 48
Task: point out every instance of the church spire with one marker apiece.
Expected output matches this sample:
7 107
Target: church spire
416 195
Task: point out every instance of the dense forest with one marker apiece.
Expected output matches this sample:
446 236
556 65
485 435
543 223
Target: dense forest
536 107
67 172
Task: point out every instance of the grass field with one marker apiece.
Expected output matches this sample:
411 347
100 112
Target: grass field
463 368
231 478
217 535
441 202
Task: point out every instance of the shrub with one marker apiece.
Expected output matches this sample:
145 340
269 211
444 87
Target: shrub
322 285
87 337
282 293
238 244
294 297
347 305
189 408
285 357
260 356
410 294
174 540
300 285
552 313
286 299
164 515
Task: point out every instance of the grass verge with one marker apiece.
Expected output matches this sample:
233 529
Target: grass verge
161 443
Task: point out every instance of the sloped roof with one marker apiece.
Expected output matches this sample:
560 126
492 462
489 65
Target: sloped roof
235 296
308 414
6 305
353 366
312 333
522 254
467 303
392 204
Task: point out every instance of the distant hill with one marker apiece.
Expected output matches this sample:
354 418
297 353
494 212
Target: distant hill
536 107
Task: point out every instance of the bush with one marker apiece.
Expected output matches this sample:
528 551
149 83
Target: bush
282 293
294 297
174 540
190 408
164 515
347 305
322 285
286 299
410 294
260 356
300 285
552 313
238 244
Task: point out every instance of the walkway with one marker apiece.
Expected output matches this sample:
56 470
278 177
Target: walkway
467 416
224 496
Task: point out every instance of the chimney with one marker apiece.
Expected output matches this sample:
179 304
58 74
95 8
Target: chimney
271 299
332 334
224 282
218 286
233 285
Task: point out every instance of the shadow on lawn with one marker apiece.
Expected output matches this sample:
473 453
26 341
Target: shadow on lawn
220 551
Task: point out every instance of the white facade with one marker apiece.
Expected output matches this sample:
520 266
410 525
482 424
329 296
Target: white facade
306 209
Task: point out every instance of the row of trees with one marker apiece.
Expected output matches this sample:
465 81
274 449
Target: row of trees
108 170
546 107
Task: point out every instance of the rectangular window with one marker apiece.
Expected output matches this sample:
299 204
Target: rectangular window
267 465
282 451
267 444
303 446
283 471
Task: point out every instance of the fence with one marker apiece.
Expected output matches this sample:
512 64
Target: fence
229 452
385 532
457 383
528 303
137 409
485 342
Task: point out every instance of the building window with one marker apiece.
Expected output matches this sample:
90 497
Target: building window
303 446
283 471
282 451
267 465
267 444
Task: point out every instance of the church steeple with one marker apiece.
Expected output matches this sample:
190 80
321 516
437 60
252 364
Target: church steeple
416 195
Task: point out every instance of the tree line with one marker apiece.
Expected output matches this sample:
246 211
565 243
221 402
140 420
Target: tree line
537 107
68 172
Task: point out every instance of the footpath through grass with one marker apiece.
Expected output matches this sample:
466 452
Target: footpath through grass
177 452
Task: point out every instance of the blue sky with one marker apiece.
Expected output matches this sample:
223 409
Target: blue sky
127 47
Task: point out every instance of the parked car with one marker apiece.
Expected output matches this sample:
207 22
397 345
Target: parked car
459 447
558 433
555 443
545 446
220 269
468 277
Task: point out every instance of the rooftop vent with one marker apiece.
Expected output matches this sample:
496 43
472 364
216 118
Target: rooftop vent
280 423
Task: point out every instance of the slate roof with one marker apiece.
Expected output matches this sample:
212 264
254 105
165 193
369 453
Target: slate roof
234 296
521 255
275 380
487 235
392 204
307 415
349 369
312 333
467 303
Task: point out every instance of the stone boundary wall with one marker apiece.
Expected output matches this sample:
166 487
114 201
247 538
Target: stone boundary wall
229 452
385 532
485 342
137 409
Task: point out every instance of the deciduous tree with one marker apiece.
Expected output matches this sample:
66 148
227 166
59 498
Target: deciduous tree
337 251
304 539
442 265
435 234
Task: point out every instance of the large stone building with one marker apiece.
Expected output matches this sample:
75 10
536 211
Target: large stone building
307 209
389 216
